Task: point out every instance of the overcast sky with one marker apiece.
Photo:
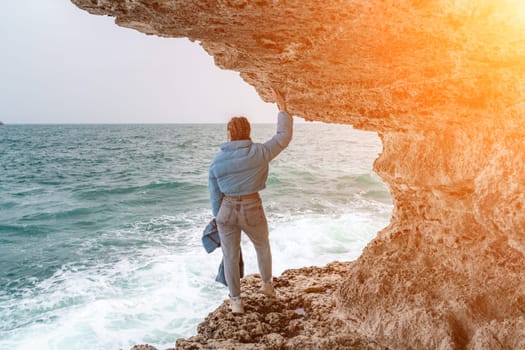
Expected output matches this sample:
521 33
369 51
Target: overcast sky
59 64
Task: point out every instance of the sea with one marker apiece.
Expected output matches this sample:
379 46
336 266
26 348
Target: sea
100 225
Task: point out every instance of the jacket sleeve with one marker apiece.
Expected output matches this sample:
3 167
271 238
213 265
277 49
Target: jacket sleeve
282 137
215 193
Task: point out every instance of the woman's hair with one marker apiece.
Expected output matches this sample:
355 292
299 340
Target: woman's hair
239 128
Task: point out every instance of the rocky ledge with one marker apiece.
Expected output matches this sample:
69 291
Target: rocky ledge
442 83
303 316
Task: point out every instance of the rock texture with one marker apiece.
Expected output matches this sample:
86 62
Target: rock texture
303 316
442 82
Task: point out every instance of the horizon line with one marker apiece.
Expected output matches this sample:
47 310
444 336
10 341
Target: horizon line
300 121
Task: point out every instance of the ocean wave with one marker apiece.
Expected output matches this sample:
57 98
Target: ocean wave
154 186
26 192
114 305
23 230
159 282
66 214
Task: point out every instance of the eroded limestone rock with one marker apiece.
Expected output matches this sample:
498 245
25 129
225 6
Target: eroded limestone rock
303 316
443 83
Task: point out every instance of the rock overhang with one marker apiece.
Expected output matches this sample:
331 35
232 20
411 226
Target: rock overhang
379 65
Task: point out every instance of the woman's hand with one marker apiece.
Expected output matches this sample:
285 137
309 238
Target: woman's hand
279 99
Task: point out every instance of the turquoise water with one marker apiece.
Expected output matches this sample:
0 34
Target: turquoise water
100 225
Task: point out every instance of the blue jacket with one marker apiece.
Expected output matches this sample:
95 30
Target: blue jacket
210 237
241 167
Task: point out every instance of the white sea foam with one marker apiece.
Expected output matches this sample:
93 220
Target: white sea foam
161 292
150 298
318 240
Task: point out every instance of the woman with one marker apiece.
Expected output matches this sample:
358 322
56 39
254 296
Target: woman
237 173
